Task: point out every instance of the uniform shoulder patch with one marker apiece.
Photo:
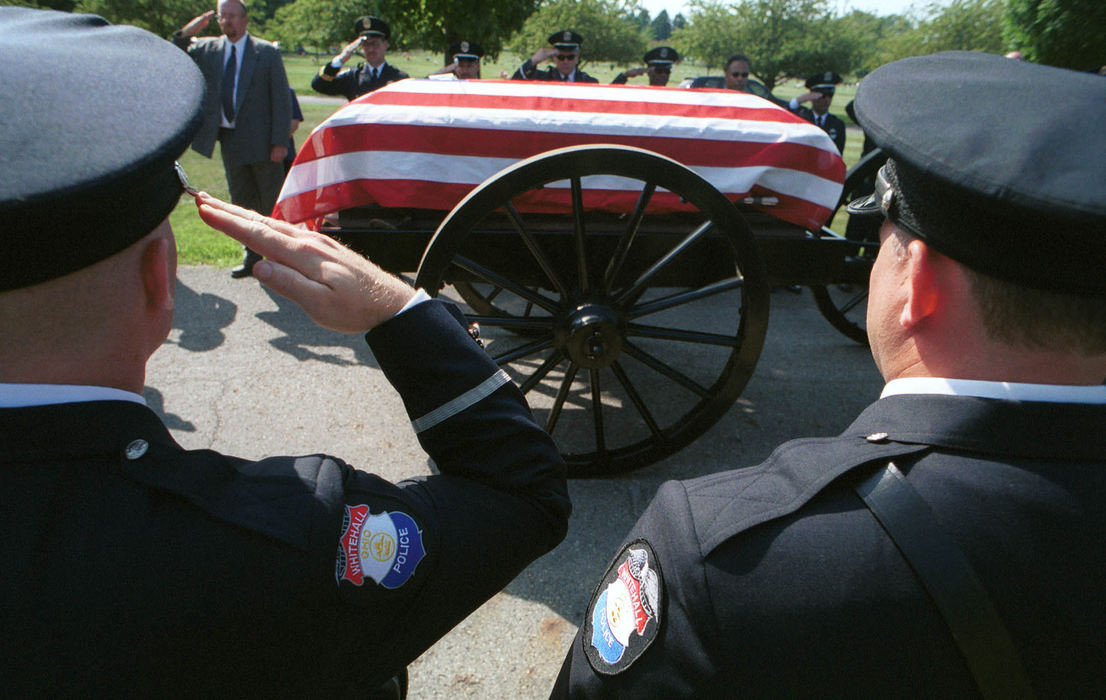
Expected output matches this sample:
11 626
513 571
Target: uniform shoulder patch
385 547
626 610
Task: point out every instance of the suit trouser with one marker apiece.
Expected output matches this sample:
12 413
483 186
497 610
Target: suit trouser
255 185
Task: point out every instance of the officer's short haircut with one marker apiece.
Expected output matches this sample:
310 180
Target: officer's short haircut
739 57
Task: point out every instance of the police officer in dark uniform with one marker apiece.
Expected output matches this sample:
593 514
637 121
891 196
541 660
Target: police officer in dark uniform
565 51
372 40
821 89
133 567
658 66
949 542
463 61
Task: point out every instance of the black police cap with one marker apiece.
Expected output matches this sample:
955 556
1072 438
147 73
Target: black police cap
824 82
566 39
372 26
998 164
95 116
466 49
662 55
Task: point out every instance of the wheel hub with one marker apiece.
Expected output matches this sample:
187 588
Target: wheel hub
591 335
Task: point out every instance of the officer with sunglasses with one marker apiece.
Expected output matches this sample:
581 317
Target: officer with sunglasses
658 63
565 53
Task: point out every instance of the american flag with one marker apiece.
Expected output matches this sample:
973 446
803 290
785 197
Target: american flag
428 143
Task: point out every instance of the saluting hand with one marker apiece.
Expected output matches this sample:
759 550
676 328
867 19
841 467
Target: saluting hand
198 24
338 288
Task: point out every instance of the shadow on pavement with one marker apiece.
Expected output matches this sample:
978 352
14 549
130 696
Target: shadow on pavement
301 336
201 318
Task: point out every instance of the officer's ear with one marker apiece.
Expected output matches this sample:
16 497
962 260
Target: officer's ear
158 269
926 283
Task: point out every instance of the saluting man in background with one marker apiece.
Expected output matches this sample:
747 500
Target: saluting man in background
565 50
372 39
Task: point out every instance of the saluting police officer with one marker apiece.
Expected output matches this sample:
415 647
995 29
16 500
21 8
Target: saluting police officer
133 567
658 66
464 61
948 543
820 91
372 40
565 50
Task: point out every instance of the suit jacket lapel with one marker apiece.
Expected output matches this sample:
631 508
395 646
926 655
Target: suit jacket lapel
249 61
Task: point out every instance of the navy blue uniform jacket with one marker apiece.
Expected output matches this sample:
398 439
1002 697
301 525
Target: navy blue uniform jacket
776 581
168 572
353 82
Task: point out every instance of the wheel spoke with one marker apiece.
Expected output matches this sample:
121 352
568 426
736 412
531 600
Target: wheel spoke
658 366
562 394
686 297
532 245
853 301
495 278
578 232
685 336
642 282
635 397
539 374
597 412
522 351
628 236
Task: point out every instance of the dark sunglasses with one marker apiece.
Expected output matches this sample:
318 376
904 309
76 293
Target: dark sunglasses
740 75
466 59
565 56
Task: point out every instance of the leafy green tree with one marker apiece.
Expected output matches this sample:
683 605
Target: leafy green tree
678 22
966 25
61 5
1064 33
783 38
661 28
609 29
642 19
158 16
320 23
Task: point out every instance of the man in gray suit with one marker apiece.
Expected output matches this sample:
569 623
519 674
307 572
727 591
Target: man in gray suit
247 108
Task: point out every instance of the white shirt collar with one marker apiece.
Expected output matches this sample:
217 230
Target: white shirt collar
22 395
240 44
1010 391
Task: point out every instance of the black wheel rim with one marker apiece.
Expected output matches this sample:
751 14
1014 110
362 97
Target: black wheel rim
621 368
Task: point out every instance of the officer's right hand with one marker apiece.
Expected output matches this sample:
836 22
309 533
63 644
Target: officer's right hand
350 49
542 54
338 288
198 24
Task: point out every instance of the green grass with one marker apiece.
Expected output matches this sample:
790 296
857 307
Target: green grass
199 245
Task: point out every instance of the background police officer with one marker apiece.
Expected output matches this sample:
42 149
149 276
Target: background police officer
658 66
372 40
821 89
565 51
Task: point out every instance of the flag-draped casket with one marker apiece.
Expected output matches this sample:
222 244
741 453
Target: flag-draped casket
428 143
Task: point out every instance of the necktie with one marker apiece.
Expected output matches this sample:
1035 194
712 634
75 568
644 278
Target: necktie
376 74
229 74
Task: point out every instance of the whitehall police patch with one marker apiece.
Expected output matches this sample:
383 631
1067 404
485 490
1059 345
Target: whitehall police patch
385 547
626 610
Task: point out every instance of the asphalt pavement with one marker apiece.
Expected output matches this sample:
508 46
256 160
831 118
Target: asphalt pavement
246 372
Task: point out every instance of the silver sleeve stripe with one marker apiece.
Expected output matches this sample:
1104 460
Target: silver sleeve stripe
455 406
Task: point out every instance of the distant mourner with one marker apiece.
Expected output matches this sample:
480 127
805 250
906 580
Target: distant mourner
464 57
133 567
658 67
948 544
565 51
821 89
247 109
738 68
372 40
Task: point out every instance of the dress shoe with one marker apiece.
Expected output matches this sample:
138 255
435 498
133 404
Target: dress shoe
245 268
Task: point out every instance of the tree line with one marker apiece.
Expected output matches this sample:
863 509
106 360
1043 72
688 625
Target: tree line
785 38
